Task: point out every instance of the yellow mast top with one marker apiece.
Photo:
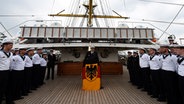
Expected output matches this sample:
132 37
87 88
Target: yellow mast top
90 15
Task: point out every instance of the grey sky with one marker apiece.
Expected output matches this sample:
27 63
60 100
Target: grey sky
135 9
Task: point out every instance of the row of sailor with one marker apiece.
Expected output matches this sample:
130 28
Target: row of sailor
20 72
161 73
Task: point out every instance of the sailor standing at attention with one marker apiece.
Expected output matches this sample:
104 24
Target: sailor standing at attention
36 67
155 66
18 62
144 64
43 65
5 59
180 72
168 73
28 69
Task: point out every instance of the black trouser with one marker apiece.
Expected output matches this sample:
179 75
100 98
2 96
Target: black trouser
27 79
17 83
130 74
50 67
155 79
146 79
43 70
170 86
138 77
36 75
181 88
162 95
4 76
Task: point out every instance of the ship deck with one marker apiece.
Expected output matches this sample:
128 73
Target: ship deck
67 90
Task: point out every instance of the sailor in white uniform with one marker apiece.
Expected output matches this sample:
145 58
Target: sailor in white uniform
18 73
144 65
180 72
36 67
155 66
43 65
169 66
5 58
28 69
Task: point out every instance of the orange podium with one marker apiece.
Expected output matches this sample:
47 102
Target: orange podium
91 77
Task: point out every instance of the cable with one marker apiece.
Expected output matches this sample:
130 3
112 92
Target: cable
171 22
52 6
6 29
17 15
177 23
163 2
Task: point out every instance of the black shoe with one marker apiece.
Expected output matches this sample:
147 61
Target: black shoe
29 92
144 90
139 87
149 93
154 96
101 87
18 98
25 94
161 100
33 89
10 102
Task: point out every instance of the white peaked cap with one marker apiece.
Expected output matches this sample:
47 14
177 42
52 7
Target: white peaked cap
7 40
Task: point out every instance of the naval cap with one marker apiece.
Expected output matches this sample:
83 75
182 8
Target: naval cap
30 49
39 48
164 46
44 53
181 46
7 41
135 52
141 48
129 52
174 46
22 48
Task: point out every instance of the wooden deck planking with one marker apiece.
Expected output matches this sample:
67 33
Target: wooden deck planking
67 90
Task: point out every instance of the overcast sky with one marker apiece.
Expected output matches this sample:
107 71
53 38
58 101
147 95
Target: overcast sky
135 9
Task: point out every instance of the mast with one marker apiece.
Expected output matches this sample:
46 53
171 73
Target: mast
89 8
90 13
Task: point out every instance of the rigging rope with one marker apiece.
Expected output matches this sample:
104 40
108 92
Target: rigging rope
171 22
163 2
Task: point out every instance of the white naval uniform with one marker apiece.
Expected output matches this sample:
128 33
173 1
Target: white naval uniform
17 75
43 62
28 61
5 61
169 63
169 68
180 72
36 59
18 63
36 70
155 63
145 71
144 60
180 69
